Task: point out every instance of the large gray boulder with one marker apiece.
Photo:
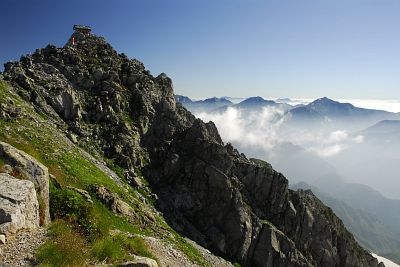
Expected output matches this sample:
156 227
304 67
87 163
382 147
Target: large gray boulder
66 104
19 207
29 168
139 262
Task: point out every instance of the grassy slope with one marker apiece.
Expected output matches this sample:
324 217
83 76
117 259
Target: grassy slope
34 134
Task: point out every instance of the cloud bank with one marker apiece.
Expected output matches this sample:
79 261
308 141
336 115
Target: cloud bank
266 130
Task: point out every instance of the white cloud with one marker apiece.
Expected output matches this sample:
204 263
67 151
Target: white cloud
391 105
337 136
328 151
358 139
266 129
250 129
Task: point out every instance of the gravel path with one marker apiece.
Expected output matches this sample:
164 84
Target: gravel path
209 257
168 256
20 249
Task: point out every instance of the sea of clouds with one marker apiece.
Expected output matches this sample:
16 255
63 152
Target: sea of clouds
266 130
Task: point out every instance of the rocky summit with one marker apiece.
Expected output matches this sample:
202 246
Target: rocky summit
111 107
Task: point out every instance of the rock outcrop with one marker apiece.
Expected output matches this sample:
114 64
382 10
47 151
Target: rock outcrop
113 202
27 167
244 210
19 207
238 208
139 262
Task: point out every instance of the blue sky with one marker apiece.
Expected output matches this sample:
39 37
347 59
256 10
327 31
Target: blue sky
282 48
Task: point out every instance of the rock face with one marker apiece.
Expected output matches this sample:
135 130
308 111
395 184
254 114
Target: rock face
19 208
238 208
235 206
29 168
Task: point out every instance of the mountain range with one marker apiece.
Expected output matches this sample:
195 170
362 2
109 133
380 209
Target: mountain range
206 105
370 156
322 111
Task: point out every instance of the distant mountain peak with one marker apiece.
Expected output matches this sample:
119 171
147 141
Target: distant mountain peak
216 99
254 99
325 100
183 99
327 106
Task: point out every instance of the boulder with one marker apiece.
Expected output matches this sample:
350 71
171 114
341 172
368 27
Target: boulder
29 168
2 239
275 249
113 201
139 262
19 207
66 104
132 178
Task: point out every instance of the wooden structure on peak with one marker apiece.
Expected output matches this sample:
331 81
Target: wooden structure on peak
82 28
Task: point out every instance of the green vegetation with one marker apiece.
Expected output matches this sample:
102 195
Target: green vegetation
83 227
120 248
72 207
110 249
89 224
116 168
66 247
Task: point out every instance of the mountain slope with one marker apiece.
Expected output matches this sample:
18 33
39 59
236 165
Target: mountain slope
362 197
366 227
237 208
387 131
